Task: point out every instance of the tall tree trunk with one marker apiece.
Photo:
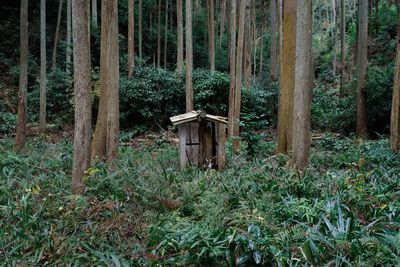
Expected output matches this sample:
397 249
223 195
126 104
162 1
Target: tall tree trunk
159 34
43 78
342 46
60 6
279 9
223 19
166 35
232 67
395 117
189 57
303 85
131 37
111 57
82 94
244 4
94 13
286 94
362 60
248 46
68 52
140 29
274 45
180 36
334 33
211 33
105 138
23 78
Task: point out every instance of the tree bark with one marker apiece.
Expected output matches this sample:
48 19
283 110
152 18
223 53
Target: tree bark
248 46
303 85
395 116
232 67
105 138
23 79
60 6
223 19
286 94
43 78
189 57
159 34
94 13
131 37
179 36
140 29
68 52
334 33
166 35
244 4
362 60
112 75
342 46
211 35
274 45
82 94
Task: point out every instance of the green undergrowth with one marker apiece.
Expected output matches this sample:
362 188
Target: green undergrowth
342 211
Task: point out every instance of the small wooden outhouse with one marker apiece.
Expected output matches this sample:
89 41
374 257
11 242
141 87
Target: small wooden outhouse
201 139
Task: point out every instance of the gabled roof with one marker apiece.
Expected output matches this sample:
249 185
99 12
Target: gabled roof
196 116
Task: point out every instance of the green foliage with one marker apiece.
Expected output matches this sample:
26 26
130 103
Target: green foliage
344 210
8 122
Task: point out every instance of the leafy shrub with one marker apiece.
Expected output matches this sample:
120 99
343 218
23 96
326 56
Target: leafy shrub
8 122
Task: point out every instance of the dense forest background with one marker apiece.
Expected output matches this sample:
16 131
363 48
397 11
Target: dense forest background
341 208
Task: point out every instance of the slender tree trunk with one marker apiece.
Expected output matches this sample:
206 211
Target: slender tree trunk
166 35
82 94
248 46
140 29
68 52
159 34
286 94
211 33
232 68
43 78
303 85
23 79
279 10
395 117
189 57
131 37
244 4
223 19
112 74
342 47
334 33
94 13
60 6
362 60
274 45
180 35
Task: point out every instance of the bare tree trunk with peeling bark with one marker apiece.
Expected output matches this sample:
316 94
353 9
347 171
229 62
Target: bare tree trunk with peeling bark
94 13
395 116
23 78
362 61
159 34
342 47
166 35
303 85
140 29
286 90
248 46
131 37
82 94
43 78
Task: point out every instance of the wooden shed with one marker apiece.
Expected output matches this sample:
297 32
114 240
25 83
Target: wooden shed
201 139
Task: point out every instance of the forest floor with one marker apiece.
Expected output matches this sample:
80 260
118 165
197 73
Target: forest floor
344 209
